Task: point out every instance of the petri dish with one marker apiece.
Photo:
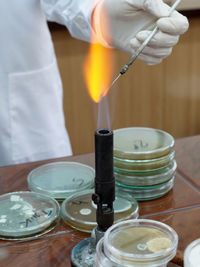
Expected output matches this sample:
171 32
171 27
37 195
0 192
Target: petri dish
146 178
142 143
61 179
26 214
145 192
139 242
192 254
143 165
79 211
143 172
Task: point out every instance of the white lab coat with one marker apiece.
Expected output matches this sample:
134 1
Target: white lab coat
32 123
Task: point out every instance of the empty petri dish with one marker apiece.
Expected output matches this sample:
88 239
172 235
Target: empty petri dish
137 243
146 178
61 179
26 214
79 211
145 192
142 143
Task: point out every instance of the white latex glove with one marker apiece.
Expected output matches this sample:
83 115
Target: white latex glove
130 22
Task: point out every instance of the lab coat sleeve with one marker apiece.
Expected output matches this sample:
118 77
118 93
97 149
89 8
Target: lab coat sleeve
74 14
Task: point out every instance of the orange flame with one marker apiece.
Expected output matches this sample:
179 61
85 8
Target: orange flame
98 69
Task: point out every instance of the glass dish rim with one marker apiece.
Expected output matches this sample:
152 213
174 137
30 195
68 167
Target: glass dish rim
189 248
34 187
53 218
170 171
169 156
147 153
148 186
66 215
146 257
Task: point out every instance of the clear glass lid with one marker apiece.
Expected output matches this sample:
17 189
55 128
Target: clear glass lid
61 179
24 214
146 178
79 211
192 254
145 192
141 143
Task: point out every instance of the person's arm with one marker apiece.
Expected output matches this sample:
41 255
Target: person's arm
74 14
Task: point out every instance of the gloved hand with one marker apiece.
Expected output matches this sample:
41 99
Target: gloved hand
125 24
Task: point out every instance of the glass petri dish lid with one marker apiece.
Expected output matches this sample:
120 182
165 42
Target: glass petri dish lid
146 178
79 211
26 214
142 143
143 165
61 179
143 172
140 242
192 254
145 192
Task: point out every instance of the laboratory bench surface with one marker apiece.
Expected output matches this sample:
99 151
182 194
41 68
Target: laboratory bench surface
180 209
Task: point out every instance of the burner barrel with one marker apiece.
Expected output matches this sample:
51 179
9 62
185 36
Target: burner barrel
104 179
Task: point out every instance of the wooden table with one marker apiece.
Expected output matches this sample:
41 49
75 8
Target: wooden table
180 209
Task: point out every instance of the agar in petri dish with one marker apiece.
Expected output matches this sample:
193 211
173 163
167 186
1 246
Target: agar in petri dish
26 214
79 211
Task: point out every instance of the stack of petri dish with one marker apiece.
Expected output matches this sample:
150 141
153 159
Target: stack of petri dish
137 243
144 162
